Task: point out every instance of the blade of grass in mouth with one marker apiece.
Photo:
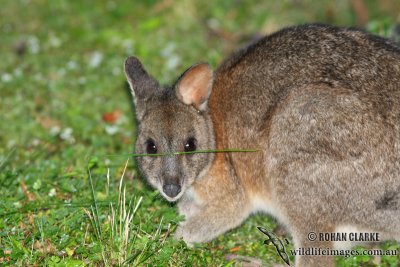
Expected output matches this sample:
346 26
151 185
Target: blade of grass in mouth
183 153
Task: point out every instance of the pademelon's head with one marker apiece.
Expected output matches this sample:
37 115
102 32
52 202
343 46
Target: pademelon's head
172 119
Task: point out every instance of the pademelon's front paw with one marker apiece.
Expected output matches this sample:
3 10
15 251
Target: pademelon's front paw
194 231
180 234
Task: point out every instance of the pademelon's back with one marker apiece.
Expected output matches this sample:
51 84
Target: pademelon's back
255 79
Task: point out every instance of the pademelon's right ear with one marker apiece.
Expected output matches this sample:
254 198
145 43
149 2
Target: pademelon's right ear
141 83
194 86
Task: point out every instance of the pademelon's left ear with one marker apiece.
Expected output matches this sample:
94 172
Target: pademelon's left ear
194 86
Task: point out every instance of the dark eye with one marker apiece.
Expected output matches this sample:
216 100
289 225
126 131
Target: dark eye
190 145
151 147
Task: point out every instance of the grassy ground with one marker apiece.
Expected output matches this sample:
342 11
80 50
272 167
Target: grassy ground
65 109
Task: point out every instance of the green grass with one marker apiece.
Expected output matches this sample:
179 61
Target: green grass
61 75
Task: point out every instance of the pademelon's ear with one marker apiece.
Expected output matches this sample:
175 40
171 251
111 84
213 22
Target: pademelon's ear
141 83
194 86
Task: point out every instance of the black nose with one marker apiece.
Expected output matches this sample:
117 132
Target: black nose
171 190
